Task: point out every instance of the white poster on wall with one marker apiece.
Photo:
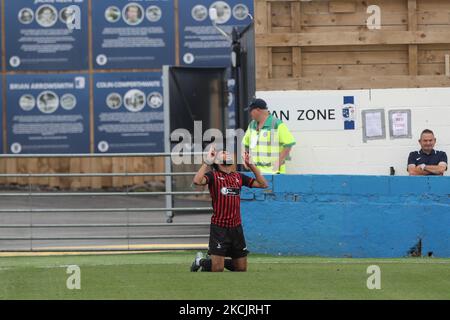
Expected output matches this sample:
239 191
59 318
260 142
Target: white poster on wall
400 124
374 124
312 113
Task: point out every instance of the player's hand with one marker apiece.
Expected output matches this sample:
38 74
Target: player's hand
211 156
247 160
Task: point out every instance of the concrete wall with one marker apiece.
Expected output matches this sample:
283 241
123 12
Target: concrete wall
325 151
348 216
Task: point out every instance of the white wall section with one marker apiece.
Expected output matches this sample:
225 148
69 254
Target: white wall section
324 147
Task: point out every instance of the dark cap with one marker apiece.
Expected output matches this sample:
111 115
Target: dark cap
257 103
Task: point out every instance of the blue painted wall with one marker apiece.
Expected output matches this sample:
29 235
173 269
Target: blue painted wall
348 216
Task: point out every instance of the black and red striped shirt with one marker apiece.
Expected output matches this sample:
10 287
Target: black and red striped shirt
225 190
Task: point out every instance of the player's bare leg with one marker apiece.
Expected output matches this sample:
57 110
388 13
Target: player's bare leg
240 264
217 263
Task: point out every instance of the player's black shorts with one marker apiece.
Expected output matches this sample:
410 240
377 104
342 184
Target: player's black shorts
227 242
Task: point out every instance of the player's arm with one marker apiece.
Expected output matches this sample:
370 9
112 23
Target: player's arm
246 144
200 179
439 169
414 170
260 181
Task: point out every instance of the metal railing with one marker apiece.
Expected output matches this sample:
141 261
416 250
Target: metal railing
169 208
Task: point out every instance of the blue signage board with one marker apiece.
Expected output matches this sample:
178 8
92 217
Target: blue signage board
201 44
46 35
135 34
128 112
47 114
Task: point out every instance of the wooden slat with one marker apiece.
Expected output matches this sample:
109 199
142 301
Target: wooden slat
11 167
342 6
146 167
118 166
432 56
350 83
54 164
412 15
282 72
262 63
106 168
413 49
385 5
371 48
282 58
435 28
96 182
64 167
355 70
352 38
278 84
281 29
43 168
137 168
22 169
270 62
339 29
296 17
431 69
280 13
437 5
413 60
85 168
75 167
296 62
447 65
315 7
371 57
433 17
2 170
437 46
358 19
261 18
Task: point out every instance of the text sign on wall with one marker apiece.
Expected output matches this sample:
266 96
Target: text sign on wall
133 34
128 113
201 44
312 113
46 35
48 113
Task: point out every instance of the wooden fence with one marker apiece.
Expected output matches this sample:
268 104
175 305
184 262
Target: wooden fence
308 45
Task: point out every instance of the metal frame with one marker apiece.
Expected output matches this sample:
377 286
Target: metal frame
168 209
168 163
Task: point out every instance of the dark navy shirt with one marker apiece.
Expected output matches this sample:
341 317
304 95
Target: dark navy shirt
433 159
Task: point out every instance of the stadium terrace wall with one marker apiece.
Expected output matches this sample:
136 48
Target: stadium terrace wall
349 216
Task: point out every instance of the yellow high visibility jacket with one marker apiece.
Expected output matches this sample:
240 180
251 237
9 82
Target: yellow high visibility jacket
266 144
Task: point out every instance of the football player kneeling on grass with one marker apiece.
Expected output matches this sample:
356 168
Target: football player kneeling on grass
226 237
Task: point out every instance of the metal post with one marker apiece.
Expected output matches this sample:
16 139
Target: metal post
167 144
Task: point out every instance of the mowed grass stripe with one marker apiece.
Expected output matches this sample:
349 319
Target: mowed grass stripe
166 276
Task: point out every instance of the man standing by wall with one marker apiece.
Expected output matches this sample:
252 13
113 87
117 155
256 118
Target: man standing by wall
267 139
427 161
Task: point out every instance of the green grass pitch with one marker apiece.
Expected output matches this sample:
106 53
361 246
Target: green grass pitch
167 276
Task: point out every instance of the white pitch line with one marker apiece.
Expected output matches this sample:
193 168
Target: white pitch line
98 249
